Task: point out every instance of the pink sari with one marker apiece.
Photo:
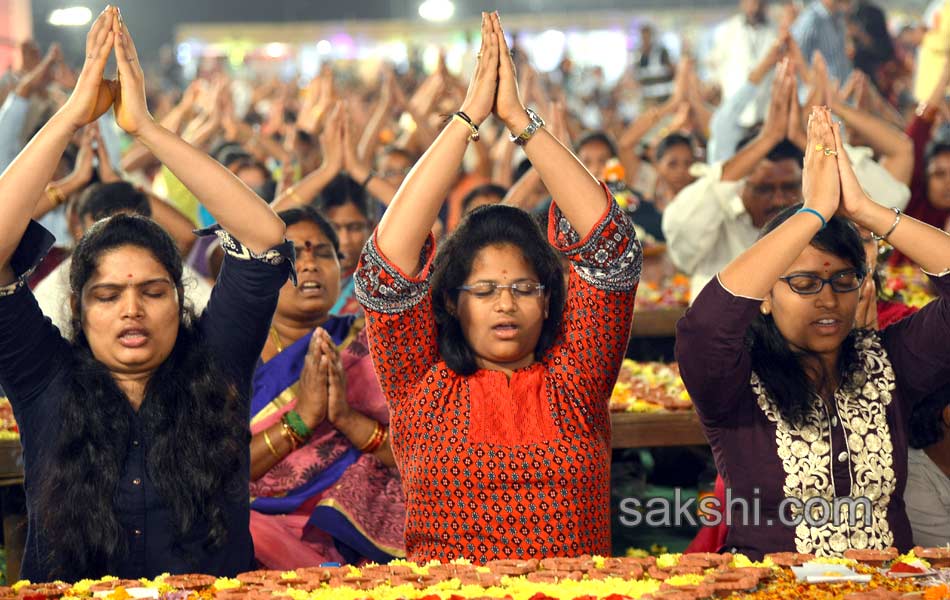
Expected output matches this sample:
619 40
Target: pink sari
326 502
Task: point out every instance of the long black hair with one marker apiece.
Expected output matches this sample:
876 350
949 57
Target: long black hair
778 366
489 226
196 434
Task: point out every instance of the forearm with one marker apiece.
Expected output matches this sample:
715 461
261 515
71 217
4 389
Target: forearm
725 132
579 196
894 146
702 116
406 225
233 205
757 269
263 458
370 138
176 224
175 119
381 190
66 187
642 125
520 194
305 190
744 161
202 134
359 428
138 157
927 246
270 147
501 168
23 182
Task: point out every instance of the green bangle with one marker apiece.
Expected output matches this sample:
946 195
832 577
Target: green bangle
296 423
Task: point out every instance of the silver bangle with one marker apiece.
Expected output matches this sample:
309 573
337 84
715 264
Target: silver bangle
897 219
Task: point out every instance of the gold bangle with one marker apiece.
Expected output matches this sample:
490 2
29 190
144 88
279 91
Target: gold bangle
375 440
287 430
286 435
293 194
270 446
55 195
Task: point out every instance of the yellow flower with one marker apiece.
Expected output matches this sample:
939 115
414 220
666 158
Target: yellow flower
911 558
665 561
223 583
833 560
741 560
21 584
686 579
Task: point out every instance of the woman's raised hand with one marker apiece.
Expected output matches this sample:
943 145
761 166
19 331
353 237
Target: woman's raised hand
131 110
480 98
854 201
821 186
93 94
509 106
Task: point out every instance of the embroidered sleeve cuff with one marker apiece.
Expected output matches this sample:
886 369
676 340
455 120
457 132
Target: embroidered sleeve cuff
382 287
275 256
31 251
609 258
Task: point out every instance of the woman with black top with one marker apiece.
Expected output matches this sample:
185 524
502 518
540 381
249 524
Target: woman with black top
135 432
805 410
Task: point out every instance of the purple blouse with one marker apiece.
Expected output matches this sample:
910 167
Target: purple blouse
855 449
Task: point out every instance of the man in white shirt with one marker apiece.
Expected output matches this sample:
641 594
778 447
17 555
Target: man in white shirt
716 218
100 201
740 43
927 494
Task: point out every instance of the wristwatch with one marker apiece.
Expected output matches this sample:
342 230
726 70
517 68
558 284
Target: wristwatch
536 123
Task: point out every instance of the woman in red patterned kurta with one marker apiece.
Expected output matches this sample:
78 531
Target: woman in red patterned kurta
503 436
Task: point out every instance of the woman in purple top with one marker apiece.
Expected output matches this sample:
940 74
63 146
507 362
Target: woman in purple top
805 413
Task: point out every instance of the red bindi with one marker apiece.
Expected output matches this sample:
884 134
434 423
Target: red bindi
827 264
129 276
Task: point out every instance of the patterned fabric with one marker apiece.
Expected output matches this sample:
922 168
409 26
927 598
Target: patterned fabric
808 453
325 498
494 468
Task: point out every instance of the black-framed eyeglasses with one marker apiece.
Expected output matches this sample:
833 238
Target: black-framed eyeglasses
808 284
490 289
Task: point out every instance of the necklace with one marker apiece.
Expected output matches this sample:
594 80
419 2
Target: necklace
278 343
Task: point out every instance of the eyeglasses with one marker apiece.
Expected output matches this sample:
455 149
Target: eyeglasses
788 190
807 284
490 289
353 228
